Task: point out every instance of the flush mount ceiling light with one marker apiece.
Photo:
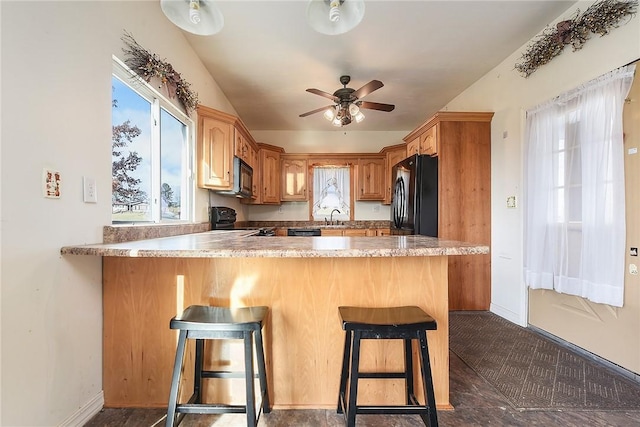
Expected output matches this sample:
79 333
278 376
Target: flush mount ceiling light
334 16
200 17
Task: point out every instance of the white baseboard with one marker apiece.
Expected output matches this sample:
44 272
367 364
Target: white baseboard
84 414
508 314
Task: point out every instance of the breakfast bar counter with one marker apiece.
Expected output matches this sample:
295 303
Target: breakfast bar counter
303 280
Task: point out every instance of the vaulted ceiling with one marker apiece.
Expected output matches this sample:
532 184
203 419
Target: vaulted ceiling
425 52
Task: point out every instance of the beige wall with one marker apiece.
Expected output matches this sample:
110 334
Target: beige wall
56 113
509 95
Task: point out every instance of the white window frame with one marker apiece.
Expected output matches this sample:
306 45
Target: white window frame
158 101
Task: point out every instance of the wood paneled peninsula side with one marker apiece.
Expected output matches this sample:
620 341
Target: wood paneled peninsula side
302 279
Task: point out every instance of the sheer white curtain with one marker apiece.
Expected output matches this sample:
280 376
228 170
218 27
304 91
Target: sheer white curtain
574 191
331 190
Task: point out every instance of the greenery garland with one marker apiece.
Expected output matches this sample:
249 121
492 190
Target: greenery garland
148 66
600 18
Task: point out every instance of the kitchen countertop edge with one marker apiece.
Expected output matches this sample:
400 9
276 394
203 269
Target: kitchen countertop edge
241 244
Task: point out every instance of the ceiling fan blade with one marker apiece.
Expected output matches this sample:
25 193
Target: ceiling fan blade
317 110
325 94
368 88
376 106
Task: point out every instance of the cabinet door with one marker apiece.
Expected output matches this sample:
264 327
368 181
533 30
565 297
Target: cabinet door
252 157
215 154
241 149
270 171
332 232
383 232
294 180
429 141
353 232
371 179
413 147
393 157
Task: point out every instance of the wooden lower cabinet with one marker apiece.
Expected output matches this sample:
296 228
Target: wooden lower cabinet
302 335
354 232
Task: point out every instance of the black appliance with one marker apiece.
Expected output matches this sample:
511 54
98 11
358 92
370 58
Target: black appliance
224 218
304 232
414 199
242 180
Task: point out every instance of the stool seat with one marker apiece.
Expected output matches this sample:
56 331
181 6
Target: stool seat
393 318
406 323
209 318
207 323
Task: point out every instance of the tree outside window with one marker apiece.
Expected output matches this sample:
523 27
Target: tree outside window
151 153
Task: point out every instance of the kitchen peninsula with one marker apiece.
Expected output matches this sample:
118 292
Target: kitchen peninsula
302 279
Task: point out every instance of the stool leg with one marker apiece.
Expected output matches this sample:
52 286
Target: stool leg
262 372
427 379
408 371
197 372
249 378
344 372
353 382
175 380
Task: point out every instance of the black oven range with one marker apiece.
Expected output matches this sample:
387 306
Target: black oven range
224 218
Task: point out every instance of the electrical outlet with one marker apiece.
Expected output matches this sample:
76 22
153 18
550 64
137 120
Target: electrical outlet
511 202
89 190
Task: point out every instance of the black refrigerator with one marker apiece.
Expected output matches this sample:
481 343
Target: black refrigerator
414 199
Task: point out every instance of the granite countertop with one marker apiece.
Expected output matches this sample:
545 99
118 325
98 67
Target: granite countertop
243 244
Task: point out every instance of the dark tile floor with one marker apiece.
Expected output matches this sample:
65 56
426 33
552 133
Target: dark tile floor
476 403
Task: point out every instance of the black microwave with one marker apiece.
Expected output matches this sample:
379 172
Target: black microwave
242 180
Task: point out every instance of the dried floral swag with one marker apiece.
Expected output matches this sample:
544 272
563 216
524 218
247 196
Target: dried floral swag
600 18
148 65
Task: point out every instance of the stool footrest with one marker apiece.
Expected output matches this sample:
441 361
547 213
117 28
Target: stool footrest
379 375
392 410
210 409
225 374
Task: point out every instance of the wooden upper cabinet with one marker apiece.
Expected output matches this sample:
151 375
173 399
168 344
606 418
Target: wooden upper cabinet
214 150
270 175
429 141
255 164
294 179
413 147
371 178
423 141
241 146
394 155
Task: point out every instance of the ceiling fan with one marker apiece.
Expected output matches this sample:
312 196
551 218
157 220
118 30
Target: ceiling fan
348 102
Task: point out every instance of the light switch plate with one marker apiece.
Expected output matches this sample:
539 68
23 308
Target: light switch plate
511 202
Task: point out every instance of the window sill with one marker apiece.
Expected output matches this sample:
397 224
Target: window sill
129 232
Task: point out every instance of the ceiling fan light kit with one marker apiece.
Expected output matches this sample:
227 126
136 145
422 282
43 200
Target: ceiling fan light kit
334 17
348 104
201 17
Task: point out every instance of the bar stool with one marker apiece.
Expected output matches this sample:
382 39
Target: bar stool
207 323
405 323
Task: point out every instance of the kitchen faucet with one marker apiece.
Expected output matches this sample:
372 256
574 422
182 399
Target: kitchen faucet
331 216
